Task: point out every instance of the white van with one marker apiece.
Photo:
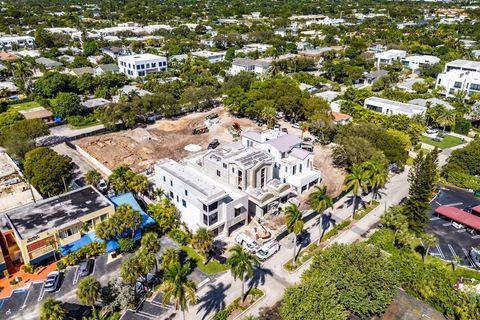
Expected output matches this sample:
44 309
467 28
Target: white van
268 249
246 242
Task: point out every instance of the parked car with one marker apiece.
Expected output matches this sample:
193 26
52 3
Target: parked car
296 125
85 267
432 130
457 225
102 186
276 126
268 250
285 130
213 144
307 139
247 243
468 209
438 139
52 283
475 255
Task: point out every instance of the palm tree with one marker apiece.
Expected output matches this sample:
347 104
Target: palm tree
53 244
304 127
139 184
52 309
268 114
130 218
446 118
294 223
320 201
169 256
274 69
130 271
158 193
241 264
92 177
429 240
376 175
203 240
88 291
102 315
177 287
151 242
355 182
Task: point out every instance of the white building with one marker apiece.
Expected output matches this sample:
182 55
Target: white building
252 47
140 65
389 56
212 57
245 64
415 62
455 81
293 164
202 202
463 65
390 107
8 43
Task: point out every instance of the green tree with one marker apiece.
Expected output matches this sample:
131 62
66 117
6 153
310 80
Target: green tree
376 176
151 242
120 178
177 287
165 214
48 171
320 201
446 118
92 177
203 240
139 184
129 217
356 182
241 264
294 223
52 309
169 256
428 240
88 291
315 299
67 104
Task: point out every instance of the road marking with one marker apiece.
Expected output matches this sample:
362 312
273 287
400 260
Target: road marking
447 224
440 251
451 249
470 261
434 218
146 315
462 230
42 292
25 301
76 276
453 204
438 203
476 237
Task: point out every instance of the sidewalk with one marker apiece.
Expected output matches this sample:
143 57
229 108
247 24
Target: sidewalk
271 277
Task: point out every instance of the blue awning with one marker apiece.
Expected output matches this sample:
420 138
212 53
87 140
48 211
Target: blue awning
85 240
128 198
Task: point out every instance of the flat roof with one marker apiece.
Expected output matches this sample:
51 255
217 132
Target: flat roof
400 105
460 216
34 218
464 64
284 143
140 57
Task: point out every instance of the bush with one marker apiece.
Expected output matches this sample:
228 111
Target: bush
126 244
74 258
61 265
82 121
462 125
463 180
222 315
28 268
180 236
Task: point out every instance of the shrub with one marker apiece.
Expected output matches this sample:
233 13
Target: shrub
93 249
61 265
126 244
222 315
180 236
28 268
463 180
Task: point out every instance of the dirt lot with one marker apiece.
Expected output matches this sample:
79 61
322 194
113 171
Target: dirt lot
141 148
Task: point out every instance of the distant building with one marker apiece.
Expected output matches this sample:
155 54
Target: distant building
115 52
415 62
38 113
390 107
371 77
102 69
81 71
389 56
48 63
462 65
455 81
94 103
341 118
212 57
244 64
12 42
140 65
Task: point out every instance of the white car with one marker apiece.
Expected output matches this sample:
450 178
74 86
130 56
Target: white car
457 225
296 125
102 185
247 243
432 131
268 249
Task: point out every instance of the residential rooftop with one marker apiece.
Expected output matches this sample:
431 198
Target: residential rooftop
474 65
34 218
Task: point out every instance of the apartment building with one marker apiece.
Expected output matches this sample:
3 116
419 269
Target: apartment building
244 64
57 219
415 62
390 107
455 81
293 162
11 42
462 65
201 200
389 56
140 65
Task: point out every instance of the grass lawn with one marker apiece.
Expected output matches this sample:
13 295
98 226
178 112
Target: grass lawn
25 105
447 142
212 267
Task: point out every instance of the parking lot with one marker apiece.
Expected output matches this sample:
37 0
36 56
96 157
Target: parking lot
452 241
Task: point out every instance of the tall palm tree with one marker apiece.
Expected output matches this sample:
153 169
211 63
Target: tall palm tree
88 291
92 177
169 256
177 287
151 242
446 118
158 193
241 263
429 240
52 309
274 69
130 218
320 201
139 184
294 223
268 114
376 175
356 182
53 244
203 240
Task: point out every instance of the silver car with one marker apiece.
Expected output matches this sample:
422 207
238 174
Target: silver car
52 283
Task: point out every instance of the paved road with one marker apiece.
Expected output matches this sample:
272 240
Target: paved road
271 277
81 166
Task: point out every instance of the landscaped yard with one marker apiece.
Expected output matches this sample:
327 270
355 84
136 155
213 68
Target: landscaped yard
447 142
25 105
212 267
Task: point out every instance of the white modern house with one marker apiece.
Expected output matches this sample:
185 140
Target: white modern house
11 42
415 62
202 201
455 81
212 57
293 161
462 65
390 107
389 56
244 64
140 65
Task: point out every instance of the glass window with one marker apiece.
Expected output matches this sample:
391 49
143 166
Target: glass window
457 84
171 183
205 219
475 86
164 179
225 165
177 198
184 203
154 64
205 208
294 169
171 195
300 169
213 219
213 206
186 193
218 173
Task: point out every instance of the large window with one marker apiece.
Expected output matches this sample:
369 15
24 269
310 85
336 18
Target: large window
475 87
457 85
212 219
213 206
69 232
